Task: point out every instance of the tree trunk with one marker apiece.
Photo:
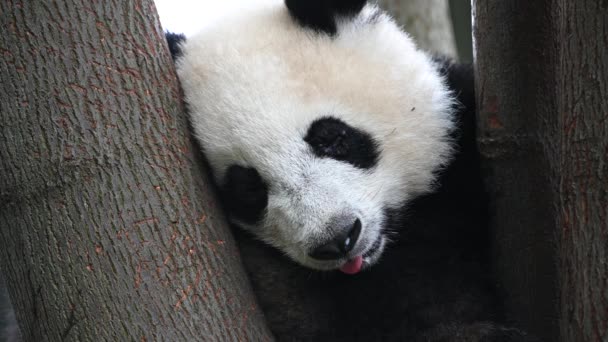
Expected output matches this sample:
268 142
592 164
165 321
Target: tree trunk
460 12
428 21
542 77
108 230
582 210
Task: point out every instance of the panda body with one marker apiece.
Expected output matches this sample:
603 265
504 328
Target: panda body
337 145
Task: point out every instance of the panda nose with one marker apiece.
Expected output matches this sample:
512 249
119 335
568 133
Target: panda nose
339 246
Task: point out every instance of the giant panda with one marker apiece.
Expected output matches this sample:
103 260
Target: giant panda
346 157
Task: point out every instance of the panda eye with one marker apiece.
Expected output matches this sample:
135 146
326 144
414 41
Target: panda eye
244 194
332 138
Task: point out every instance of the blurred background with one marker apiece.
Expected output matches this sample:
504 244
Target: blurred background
440 26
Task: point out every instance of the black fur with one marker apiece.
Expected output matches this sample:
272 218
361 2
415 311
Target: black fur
333 138
320 15
174 40
244 194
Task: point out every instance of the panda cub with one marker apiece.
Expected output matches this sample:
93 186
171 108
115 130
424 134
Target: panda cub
347 157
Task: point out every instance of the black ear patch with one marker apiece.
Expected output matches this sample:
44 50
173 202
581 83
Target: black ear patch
174 40
333 138
244 194
320 15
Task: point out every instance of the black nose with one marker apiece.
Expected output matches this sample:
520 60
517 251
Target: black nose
340 245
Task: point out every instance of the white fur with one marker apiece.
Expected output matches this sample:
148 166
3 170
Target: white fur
256 81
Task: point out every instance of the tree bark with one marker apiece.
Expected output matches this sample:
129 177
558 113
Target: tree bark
582 210
542 78
108 228
428 21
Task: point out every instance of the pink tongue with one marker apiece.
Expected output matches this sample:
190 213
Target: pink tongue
352 266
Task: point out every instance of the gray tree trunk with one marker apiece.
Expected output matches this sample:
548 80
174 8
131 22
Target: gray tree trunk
542 78
108 230
581 75
428 21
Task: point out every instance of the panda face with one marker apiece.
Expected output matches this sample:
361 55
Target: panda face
316 129
316 205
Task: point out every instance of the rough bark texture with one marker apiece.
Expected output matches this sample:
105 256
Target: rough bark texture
581 73
428 21
542 76
108 230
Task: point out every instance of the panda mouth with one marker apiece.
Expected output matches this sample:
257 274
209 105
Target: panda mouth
356 264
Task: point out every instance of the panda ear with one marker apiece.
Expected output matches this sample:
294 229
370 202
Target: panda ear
320 15
175 41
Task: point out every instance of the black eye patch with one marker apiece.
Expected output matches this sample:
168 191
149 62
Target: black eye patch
332 138
244 194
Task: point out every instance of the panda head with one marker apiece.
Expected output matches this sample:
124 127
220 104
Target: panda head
318 118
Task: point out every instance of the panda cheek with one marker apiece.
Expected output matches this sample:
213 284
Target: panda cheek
244 194
249 213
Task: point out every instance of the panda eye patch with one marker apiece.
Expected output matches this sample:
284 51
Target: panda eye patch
244 194
332 138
